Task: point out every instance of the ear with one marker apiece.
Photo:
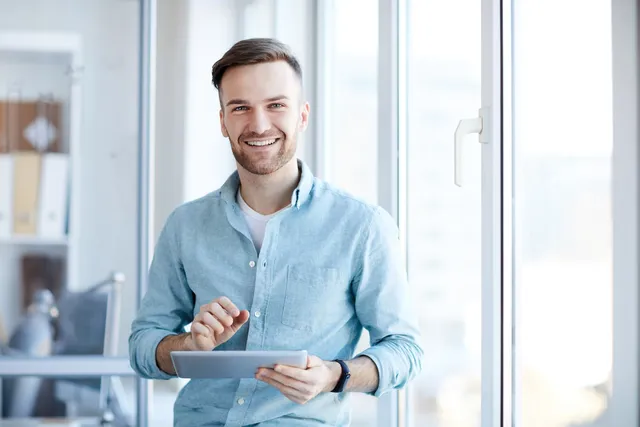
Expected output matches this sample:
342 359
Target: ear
304 117
223 128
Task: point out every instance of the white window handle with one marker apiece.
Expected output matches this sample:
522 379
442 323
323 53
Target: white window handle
466 127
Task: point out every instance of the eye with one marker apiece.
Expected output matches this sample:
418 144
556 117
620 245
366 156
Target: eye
241 108
276 105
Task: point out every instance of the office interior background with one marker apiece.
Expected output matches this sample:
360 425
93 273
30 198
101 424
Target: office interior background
524 276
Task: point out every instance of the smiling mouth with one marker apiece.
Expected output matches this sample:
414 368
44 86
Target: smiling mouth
262 142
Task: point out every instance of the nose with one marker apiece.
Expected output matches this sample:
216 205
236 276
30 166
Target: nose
260 122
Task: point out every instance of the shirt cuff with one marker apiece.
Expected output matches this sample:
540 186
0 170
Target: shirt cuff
147 346
376 354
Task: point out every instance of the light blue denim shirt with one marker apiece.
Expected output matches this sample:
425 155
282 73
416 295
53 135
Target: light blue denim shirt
329 265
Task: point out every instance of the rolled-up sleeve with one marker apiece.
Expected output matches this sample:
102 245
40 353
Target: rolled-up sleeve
384 306
166 308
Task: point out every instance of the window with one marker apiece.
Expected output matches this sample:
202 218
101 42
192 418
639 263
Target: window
563 244
443 227
352 98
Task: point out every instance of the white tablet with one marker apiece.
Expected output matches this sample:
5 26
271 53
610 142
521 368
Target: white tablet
232 364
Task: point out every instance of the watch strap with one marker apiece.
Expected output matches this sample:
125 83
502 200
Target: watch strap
344 377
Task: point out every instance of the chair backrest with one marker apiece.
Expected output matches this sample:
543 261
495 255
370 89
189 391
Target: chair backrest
88 321
82 323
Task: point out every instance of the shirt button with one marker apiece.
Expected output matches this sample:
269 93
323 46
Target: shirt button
252 264
241 401
257 314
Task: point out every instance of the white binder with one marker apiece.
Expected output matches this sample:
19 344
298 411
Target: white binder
6 196
52 213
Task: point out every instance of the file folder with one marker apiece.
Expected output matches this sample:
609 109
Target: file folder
4 127
53 195
26 183
6 196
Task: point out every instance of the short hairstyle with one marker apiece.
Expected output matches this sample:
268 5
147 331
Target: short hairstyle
254 51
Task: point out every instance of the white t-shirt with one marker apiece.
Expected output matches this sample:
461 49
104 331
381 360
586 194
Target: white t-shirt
257 222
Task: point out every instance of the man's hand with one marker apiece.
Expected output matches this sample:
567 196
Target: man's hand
214 324
302 385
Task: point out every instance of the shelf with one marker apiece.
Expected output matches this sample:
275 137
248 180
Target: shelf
34 241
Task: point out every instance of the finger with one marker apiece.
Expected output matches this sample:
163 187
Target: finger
198 319
220 314
291 393
212 322
229 306
292 372
291 382
200 329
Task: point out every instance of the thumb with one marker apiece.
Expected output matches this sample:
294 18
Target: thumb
314 361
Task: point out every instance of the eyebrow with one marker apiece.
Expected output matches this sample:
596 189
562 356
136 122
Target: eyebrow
238 101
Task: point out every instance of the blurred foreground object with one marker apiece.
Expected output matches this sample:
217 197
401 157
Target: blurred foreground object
32 338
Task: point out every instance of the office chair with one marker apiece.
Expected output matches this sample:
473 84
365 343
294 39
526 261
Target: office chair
88 324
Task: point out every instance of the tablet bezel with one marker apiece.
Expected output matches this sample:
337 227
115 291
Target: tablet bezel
232 363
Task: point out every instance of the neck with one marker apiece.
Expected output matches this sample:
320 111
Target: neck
267 194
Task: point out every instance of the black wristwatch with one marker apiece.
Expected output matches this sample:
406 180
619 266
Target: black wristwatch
344 377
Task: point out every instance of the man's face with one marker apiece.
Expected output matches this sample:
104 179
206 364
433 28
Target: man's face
262 114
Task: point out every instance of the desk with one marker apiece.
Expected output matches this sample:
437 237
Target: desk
50 422
90 366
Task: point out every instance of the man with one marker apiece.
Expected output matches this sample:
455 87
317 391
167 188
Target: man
275 259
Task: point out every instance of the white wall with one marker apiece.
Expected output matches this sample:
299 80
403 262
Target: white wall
171 53
208 158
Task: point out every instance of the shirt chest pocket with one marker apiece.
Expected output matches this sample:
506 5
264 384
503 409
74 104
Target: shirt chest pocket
310 293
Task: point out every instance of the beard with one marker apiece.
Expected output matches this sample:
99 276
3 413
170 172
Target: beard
264 163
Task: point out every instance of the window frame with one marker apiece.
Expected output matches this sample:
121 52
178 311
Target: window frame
393 407
623 404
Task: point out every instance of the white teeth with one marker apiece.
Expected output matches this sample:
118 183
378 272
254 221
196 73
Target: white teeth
261 143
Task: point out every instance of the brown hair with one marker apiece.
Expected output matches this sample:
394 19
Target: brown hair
254 51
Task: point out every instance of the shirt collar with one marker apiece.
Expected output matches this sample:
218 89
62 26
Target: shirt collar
300 195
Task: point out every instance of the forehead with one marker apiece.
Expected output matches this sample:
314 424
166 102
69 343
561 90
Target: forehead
257 82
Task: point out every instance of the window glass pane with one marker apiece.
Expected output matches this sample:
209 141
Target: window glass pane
444 227
352 131
352 98
68 178
563 244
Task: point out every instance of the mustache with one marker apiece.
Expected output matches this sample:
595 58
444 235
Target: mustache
265 135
